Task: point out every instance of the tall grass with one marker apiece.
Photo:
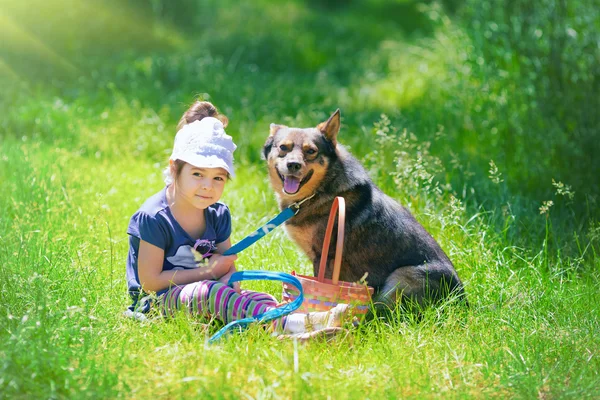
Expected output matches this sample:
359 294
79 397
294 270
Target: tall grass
473 140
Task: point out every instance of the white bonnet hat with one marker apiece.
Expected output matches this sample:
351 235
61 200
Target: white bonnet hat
204 144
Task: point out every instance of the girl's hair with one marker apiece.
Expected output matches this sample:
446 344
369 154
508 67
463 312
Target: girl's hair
171 176
197 111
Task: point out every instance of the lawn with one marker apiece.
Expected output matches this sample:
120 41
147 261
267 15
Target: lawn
480 118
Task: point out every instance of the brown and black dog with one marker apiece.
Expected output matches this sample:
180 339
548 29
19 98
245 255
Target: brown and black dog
382 238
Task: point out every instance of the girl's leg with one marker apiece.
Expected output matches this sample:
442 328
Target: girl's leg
258 296
212 298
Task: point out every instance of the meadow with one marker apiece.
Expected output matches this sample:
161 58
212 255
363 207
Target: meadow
480 117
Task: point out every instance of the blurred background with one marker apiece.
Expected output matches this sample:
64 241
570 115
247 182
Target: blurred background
502 96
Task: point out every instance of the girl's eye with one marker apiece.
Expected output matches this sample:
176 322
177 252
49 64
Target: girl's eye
218 178
198 174
283 147
310 152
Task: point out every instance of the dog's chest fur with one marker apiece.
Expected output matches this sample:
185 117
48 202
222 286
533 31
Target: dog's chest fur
304 236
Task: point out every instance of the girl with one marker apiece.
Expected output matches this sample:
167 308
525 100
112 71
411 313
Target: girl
178 236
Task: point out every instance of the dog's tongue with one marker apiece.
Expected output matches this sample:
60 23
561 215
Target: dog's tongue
291 184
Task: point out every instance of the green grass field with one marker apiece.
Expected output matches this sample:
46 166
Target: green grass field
480 118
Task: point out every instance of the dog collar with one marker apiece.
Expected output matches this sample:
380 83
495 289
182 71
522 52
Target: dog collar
296 205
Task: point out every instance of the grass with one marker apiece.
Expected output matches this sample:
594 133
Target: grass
82 146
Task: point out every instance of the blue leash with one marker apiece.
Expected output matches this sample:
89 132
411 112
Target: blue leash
262 231
266 228
270 315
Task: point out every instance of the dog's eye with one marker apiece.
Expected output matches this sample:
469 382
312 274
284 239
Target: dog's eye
283 147
310 152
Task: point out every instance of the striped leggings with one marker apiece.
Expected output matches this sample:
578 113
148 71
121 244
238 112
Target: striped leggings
214 299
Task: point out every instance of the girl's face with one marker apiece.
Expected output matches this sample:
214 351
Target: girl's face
200 187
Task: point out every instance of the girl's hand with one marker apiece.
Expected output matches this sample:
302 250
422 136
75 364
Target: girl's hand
225 279
219 265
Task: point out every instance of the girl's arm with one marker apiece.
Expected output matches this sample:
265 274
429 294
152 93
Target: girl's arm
223 246
153 278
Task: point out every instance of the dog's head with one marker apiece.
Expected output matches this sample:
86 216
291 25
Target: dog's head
298 158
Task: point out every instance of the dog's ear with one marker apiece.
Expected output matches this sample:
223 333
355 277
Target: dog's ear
267 147
274 128
331 127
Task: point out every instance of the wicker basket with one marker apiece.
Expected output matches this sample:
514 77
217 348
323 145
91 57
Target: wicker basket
322 294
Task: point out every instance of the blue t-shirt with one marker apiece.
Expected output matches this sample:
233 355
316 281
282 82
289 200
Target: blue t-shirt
155 224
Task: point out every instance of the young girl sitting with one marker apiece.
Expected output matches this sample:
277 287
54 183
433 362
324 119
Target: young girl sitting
186 218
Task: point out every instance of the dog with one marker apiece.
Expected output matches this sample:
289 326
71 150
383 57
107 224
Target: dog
405 264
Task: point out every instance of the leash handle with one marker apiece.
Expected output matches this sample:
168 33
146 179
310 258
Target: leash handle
270 315
339 207
262 231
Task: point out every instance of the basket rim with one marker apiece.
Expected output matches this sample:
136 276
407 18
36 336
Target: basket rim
328 283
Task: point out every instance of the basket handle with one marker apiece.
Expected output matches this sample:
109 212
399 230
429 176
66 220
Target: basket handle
339 206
